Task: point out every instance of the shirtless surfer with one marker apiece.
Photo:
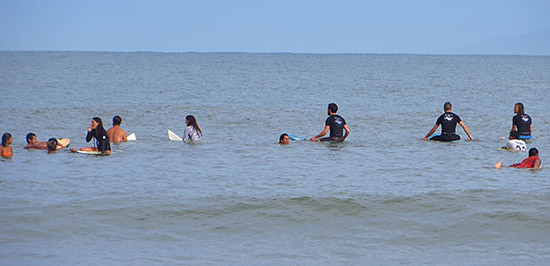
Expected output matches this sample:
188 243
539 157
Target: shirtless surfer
33 143
117 134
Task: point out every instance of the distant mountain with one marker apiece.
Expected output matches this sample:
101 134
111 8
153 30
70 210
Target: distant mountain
536 43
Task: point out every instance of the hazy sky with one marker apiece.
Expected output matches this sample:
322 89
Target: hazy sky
385 26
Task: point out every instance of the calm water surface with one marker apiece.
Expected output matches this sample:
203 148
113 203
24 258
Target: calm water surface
382 197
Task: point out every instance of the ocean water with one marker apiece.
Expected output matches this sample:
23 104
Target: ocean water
384 197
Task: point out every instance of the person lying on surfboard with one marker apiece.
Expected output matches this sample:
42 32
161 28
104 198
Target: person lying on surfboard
284 139
33 143
514 143
533 161
336 124
96 130
448 122
115 133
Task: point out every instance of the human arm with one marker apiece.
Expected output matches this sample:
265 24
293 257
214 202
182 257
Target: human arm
465 129
347 131
325 131
431 132
124 136
90 134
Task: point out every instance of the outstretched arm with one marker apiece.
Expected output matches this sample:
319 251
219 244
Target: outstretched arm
431 132
325 131
465 130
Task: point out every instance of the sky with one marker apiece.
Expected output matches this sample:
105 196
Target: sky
293 26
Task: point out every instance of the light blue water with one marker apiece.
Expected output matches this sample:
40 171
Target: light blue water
382 197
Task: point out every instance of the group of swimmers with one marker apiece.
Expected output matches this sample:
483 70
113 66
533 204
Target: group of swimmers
522 128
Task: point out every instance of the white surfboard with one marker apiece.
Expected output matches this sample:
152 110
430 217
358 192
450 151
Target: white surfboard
173 137
89 152
131 137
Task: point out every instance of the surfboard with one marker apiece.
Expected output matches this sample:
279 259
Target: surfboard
131 137
64 142
294 137
89 152
173 137
525 137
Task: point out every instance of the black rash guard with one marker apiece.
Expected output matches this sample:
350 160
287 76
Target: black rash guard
448 122
523 124
336 124
102 144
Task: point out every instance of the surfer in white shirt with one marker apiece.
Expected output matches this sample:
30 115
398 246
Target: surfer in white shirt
514 143
193 133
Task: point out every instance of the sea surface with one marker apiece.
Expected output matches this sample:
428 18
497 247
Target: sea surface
383 197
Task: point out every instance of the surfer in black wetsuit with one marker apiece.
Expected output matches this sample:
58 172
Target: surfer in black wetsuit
96 130
336 124
521 122
448 122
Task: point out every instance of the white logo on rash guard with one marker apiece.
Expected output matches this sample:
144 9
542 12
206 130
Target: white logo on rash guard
448 117
525 118
338 120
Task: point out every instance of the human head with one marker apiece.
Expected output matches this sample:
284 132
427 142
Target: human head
98 123
191 121
284 139
5 139
52 145
117 120
31 138
332 108
447 106
519 109
514 135
533 152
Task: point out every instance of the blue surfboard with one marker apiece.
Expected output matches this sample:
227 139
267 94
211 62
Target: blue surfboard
294 137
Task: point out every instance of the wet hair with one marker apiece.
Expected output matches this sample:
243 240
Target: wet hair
333 107
191 121
29 137
533 152
282 137
117 120
5 139
100 129
521 108
52 144
514 134
447 106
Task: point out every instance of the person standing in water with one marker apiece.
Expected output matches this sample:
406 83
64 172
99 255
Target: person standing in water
336 124
96 130
448 122
521 122
192 133
115 133
6 150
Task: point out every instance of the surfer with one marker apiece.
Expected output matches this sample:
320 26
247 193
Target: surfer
521 122
514 143
115 133
96 130
448 122
336 124
192 133
6 150
33 143
52 145
533 161
284 139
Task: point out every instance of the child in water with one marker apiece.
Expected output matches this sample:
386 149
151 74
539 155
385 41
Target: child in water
533 161
52 145
5 149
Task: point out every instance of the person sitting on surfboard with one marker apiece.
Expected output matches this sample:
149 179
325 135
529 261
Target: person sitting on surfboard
284 139
52 145
117 134
33 143
521 122
448 122
514 143
6 151
192 133
533 161
96 130
336 124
